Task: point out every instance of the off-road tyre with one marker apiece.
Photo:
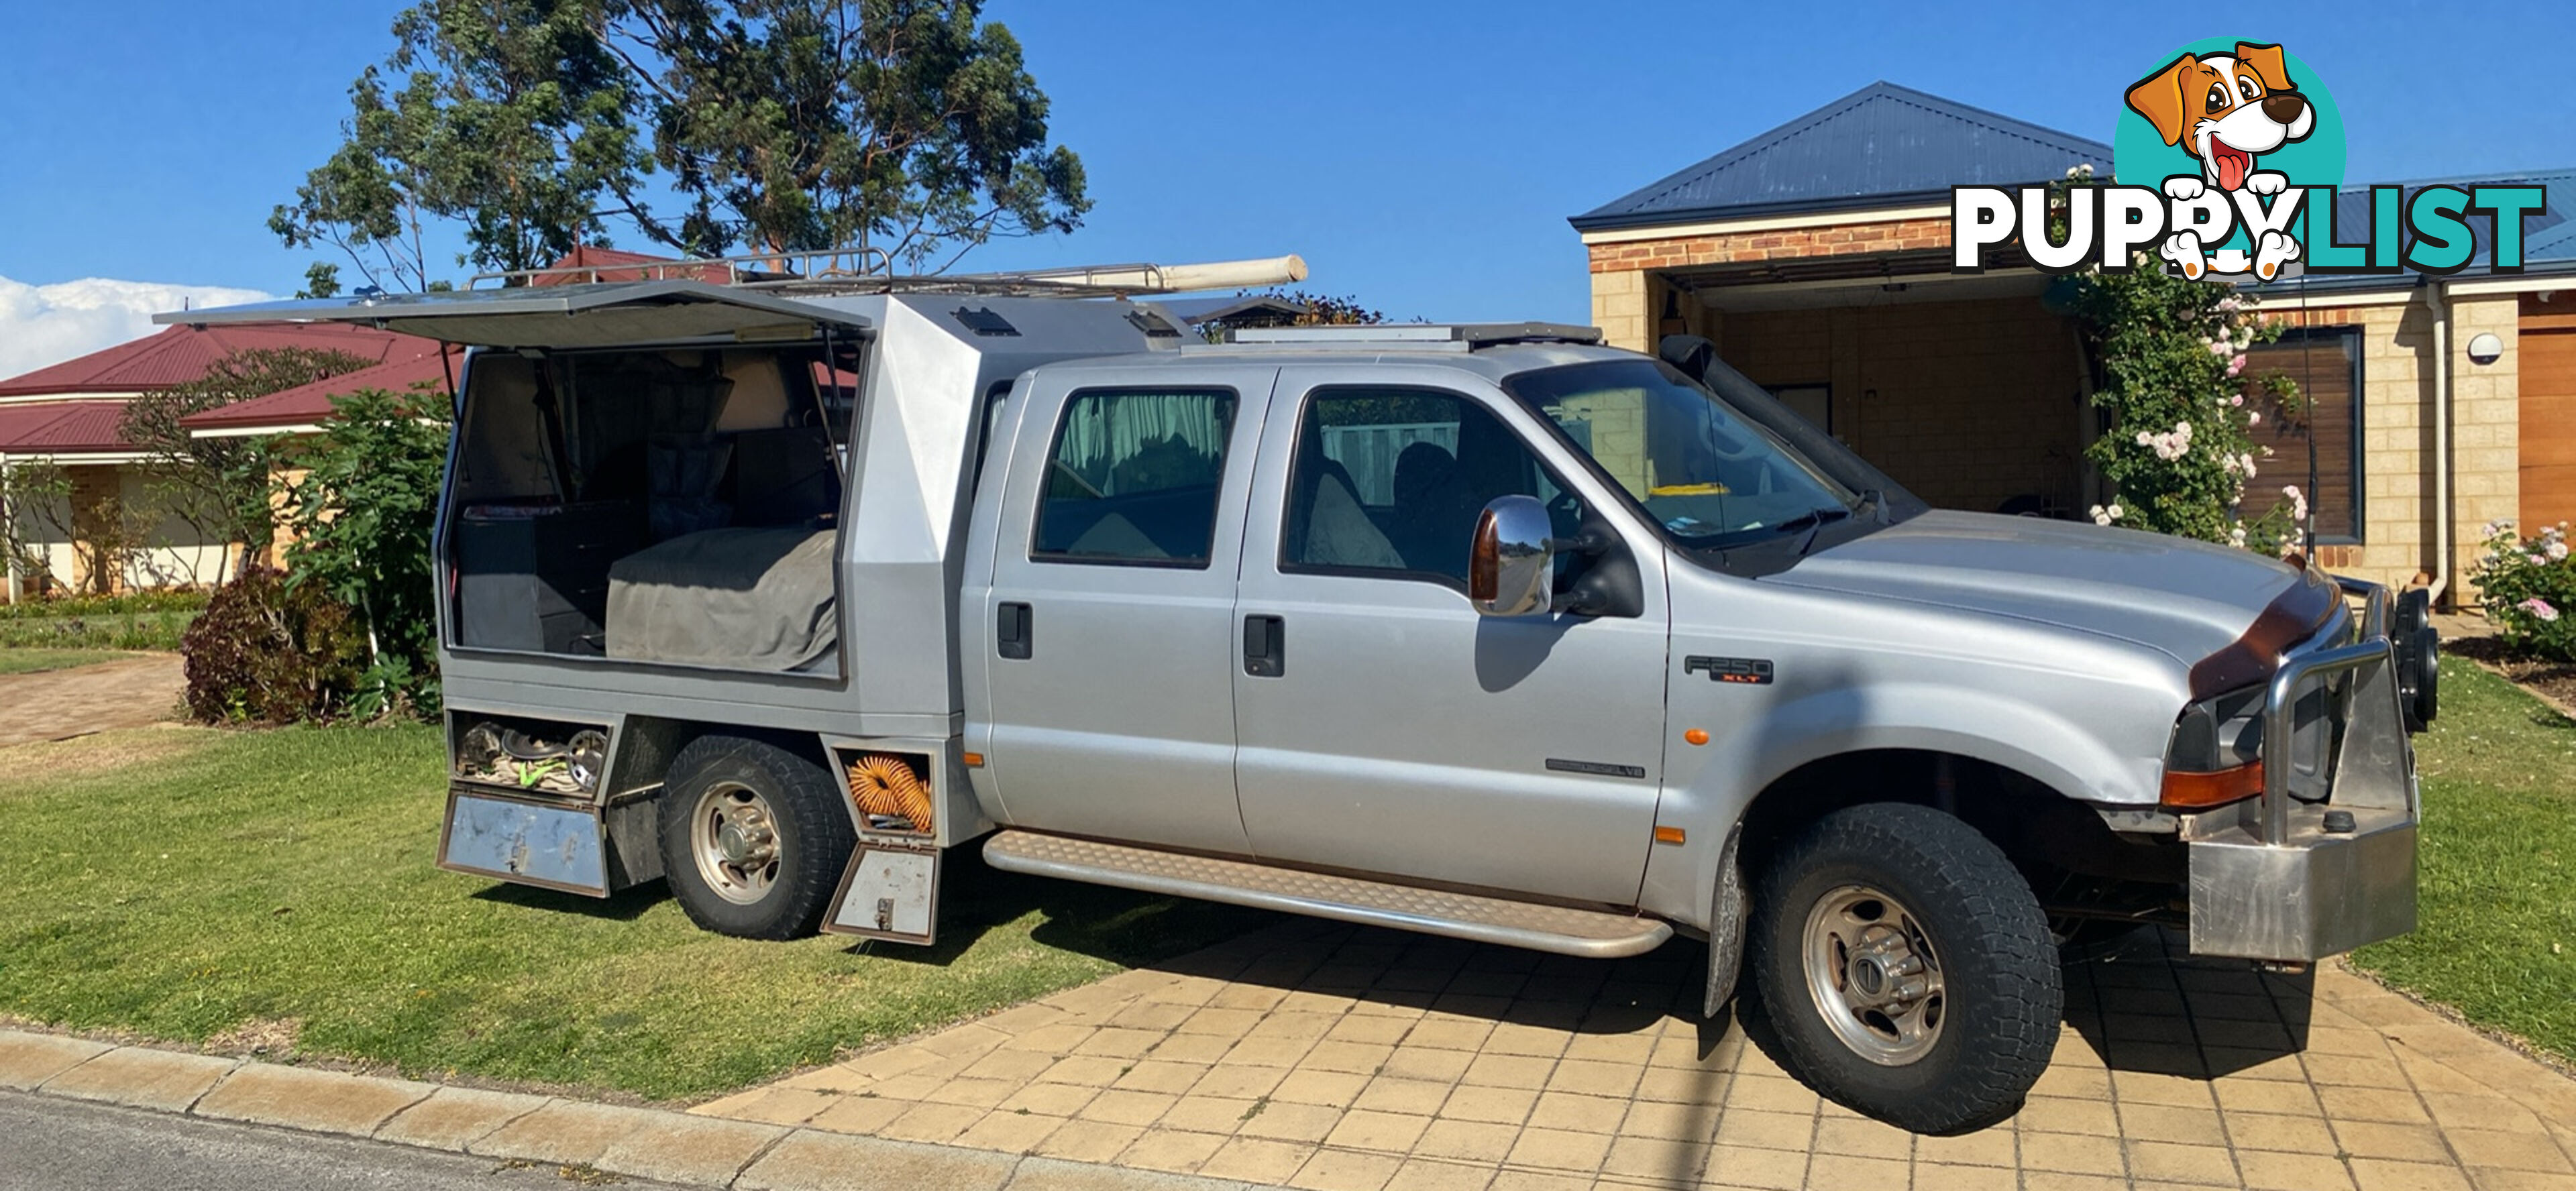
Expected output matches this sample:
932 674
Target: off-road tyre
814 837
2002 989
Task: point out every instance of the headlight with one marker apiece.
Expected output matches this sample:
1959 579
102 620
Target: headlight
2217 752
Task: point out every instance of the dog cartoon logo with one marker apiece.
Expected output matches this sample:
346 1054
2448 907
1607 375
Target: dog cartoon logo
2224 109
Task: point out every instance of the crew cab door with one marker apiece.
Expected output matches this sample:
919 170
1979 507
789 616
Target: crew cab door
1106 637
1384 725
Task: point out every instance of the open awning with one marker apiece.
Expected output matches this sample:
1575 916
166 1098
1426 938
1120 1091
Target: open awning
558 316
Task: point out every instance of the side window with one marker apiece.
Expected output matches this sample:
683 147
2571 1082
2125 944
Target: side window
1391 480
1133 478
992 420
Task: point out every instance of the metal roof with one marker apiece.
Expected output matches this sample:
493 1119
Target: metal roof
308 404
1882 145
62 427
184 353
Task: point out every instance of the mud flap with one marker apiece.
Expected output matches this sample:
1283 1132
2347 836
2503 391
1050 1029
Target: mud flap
1726 929
891 891
525 841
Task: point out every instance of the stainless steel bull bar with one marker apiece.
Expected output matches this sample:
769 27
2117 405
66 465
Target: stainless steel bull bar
2295 881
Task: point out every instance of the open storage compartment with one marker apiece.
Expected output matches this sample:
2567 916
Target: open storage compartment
891 889
669 505
523 801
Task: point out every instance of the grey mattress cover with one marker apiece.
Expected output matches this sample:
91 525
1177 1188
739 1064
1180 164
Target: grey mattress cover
745 599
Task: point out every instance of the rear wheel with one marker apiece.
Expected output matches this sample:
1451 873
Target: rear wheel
753 837
1905 968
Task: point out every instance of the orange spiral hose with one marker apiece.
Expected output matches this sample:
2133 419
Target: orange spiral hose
884 784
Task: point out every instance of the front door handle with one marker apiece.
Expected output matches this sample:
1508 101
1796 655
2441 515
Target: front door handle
1265 646
1014 630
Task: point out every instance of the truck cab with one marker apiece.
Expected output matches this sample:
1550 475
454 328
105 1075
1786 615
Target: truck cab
1490 631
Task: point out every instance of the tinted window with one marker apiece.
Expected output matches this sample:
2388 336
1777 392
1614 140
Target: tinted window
1133 478
1391 480
1707 473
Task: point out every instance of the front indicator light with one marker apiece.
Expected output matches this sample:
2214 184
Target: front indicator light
2200 791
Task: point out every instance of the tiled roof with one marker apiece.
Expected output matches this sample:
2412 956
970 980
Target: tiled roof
1878 146
180 354
603 263
305 405
62 427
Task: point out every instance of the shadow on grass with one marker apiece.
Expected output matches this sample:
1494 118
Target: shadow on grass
623 906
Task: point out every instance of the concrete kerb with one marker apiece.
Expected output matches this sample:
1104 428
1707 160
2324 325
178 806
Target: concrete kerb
641 1143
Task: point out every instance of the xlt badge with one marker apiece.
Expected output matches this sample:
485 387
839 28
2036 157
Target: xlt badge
1756 671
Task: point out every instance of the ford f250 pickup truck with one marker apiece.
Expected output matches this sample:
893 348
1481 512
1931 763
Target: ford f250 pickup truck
777 590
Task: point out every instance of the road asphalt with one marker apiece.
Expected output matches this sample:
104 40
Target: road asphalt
52 1144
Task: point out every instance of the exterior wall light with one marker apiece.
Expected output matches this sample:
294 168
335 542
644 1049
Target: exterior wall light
2485 348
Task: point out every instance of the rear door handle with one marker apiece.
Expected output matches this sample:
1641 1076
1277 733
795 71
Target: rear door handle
1265 646
1014 630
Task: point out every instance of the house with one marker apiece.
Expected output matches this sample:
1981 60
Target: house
66 416
1815 256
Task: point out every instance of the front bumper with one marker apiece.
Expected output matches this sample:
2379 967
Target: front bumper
2273 878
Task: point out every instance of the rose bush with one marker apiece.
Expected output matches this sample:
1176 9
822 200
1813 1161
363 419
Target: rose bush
2528 588
2178 405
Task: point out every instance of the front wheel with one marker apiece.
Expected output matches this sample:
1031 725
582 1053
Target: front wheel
1905 968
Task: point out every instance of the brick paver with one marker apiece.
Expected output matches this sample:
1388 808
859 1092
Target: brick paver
1323 1056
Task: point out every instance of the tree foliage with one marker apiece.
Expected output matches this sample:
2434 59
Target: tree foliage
909 127
220 486
362 513
509 117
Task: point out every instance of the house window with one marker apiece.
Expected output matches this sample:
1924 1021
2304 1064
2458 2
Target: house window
2323 424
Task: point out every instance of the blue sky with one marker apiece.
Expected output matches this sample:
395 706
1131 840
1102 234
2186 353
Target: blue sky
1422 156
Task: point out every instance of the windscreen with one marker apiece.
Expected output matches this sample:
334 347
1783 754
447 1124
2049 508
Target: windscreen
1709 476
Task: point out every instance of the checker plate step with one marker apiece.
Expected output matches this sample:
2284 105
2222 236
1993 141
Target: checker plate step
1563 930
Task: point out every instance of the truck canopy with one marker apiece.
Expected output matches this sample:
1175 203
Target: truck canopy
557 316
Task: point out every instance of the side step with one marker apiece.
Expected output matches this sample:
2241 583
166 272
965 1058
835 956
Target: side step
1592 934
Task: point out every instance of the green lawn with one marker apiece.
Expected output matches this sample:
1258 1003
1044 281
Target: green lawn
2496 937
183 883
30 661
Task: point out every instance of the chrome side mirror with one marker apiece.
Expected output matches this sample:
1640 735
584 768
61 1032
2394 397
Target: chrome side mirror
1508 563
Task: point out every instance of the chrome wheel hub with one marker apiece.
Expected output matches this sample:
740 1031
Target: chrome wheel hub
1874 976
734 838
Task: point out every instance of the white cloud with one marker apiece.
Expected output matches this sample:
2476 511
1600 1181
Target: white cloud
47 324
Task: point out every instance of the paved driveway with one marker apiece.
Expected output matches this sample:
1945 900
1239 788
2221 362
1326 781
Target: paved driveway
53 704
1323 1056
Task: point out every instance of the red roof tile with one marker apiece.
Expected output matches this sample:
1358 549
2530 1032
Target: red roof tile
602 263
305 405
181 354
62 427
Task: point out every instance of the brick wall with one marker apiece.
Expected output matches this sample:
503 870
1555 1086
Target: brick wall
1894 235
2397 419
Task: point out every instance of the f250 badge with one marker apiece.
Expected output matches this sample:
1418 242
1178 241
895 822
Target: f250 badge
1756 671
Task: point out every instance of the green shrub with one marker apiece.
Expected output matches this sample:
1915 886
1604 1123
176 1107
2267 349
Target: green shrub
2528 589
265 651
363 513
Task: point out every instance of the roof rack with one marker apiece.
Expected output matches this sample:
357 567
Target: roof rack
870 271
1473 335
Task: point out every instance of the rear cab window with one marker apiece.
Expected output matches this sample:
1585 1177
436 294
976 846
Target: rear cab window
1132 478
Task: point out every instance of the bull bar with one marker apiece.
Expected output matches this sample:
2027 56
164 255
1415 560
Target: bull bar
2295 881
